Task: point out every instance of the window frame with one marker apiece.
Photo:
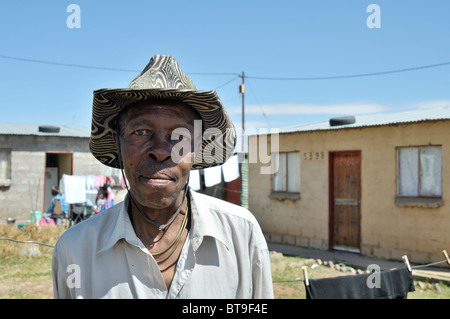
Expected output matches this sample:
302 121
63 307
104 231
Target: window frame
419 196
286 192
6 182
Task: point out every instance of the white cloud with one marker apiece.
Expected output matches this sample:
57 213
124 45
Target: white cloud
256 124
351 108
430 104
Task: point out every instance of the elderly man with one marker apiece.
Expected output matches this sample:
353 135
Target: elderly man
164 240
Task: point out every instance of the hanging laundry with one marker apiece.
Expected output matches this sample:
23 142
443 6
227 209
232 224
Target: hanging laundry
98 181
90 182
109 180
74 188
61 185
213 175
194 179
394 284
231 169
110 194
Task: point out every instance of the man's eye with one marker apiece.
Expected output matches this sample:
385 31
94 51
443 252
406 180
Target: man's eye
141 132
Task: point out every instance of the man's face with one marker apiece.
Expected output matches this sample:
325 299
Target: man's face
147 141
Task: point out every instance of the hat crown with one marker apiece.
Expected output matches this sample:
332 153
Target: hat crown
162 72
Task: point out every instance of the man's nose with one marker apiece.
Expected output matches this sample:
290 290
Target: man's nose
161 149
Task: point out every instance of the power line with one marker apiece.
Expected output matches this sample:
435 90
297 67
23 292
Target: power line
66 64
348 76
99 67
212 73
223 84
259 104
335 77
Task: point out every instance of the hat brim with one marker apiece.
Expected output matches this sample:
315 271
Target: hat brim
108 103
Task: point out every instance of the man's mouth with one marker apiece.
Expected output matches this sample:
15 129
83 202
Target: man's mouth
157 179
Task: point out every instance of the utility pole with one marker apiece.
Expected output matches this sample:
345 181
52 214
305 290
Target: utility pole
243 166
242 91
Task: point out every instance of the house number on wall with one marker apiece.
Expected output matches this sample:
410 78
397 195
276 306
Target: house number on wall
309 156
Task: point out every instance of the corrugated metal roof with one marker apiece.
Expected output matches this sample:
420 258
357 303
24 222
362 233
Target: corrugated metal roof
376 120
33 129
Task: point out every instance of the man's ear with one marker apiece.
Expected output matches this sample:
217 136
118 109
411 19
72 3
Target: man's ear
116 137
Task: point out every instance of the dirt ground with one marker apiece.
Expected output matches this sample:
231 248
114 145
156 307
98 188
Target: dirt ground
25 289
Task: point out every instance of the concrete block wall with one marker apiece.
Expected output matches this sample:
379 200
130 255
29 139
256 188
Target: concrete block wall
26 191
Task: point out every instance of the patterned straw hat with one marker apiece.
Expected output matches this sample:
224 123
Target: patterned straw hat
162 78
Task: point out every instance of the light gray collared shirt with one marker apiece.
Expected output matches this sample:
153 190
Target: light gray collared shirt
225 256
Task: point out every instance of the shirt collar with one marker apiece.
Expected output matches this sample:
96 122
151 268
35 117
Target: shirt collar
118 227
203 223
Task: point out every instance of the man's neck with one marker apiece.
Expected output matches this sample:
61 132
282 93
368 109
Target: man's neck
149 231
165 245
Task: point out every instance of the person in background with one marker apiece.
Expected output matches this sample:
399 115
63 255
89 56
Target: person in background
104 200
82 211
89 208
50 212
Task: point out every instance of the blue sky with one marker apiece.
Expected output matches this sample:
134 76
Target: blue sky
264 39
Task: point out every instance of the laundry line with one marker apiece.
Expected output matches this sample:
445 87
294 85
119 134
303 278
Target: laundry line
26 242
405 259
213 175
77 187
429 265
447 260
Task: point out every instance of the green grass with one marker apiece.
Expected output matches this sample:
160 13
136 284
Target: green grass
29 277
25 276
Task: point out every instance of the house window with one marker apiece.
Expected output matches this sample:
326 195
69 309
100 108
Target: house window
287 177
420 172
5 167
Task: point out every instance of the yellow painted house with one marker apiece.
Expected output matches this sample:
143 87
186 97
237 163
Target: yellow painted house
376 185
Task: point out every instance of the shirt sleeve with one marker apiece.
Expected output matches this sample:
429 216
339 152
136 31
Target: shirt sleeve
60 287
262 275
261 268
